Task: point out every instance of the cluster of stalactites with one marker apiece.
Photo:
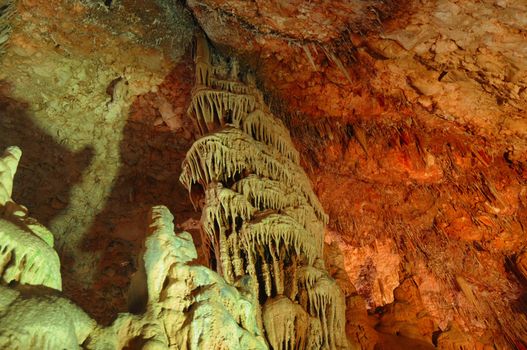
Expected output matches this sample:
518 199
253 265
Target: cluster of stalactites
260 215
223 155
284 228
322 298
218 101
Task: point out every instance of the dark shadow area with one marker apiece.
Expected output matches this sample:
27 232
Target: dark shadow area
47 170
151 157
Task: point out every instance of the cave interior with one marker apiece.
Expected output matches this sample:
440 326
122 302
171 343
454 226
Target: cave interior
230 174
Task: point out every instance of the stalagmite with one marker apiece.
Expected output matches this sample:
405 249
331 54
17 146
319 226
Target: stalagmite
324 300
185 305
286 324
260 215
31 318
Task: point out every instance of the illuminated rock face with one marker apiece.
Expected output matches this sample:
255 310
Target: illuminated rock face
260 215
424 146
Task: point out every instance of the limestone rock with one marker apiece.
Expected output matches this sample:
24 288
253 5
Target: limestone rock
406 316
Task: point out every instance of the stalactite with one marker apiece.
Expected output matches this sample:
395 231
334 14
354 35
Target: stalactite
7 12
202 60
226 153
267 128
278 270
222 206
309 56
235 87
266 271
264 192
335 59
281 230
209 106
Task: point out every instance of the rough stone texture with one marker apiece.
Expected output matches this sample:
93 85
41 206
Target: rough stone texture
414 133
372 269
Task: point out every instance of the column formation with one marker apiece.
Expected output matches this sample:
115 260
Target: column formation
260 216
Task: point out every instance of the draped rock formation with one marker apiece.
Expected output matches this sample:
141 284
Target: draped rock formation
259 214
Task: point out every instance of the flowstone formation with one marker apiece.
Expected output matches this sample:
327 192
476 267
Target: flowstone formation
176 304
259 214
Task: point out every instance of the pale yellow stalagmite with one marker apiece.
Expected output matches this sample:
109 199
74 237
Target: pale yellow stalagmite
188 306
32 313
36 318
287 324
260 215
26 258
324 299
